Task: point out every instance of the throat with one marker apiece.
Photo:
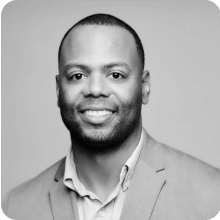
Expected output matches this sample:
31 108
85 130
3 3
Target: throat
99 174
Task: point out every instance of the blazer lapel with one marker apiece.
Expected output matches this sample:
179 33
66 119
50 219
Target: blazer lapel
63 199
146 184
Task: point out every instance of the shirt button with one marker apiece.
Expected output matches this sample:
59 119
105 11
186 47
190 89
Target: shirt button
101 213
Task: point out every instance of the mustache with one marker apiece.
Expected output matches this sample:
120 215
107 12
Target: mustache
96 102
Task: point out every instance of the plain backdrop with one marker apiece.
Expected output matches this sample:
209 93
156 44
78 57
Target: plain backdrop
182 47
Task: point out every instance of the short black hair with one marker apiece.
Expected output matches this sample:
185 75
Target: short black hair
107 20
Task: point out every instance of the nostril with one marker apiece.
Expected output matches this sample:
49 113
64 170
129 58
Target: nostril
96 87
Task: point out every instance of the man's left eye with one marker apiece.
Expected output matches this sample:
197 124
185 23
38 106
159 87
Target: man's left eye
116 75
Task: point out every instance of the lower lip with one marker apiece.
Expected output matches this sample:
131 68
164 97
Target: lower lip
100 119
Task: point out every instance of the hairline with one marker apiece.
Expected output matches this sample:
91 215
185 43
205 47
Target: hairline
123 25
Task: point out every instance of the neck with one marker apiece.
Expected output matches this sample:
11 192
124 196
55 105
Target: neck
100 173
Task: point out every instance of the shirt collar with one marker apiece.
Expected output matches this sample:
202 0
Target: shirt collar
131 162
72 181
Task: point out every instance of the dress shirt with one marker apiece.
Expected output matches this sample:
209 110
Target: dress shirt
90 207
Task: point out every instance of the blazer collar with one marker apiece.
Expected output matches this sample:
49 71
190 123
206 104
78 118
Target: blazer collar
146 184
60 171
152 153
63 200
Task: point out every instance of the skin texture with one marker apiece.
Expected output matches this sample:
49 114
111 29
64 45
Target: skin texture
100 70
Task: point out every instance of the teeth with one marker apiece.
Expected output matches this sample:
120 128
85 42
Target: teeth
97 113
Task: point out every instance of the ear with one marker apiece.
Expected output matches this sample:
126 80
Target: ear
145 87
57 89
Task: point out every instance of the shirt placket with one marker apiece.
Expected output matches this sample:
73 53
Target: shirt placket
105 212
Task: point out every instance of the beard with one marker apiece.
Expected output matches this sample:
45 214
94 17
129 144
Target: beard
100 141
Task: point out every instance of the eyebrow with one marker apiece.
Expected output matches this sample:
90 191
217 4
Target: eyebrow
116 64
75 65
87 68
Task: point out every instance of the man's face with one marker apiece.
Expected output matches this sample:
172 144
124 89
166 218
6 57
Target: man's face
100 85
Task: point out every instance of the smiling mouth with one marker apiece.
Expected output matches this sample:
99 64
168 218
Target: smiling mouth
98 113
97 116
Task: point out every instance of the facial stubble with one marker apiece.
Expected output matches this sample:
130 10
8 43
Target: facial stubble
128 117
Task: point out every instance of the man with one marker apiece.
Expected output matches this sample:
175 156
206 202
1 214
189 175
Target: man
114 169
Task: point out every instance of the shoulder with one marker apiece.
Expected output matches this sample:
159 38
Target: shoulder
176 162
189 165
43 179
189 176
26 193
191 186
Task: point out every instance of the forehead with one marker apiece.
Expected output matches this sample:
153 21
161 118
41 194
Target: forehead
96 42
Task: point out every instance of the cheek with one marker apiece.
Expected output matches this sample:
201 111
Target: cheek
68 94
128 93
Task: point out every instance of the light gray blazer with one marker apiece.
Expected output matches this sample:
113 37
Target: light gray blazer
166 185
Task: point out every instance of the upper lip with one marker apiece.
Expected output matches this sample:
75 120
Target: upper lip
97 108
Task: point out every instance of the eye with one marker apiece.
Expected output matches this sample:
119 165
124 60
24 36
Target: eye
78 77
116 75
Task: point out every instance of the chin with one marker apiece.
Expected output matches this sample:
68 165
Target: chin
99 141
99 136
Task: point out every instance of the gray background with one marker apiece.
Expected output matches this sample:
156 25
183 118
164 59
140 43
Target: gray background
181 41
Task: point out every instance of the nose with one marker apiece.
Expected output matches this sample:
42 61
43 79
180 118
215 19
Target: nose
96 86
